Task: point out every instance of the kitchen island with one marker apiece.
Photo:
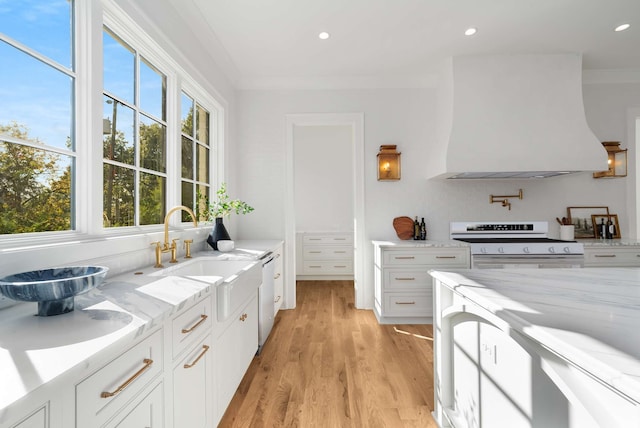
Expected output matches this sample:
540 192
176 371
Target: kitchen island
537 348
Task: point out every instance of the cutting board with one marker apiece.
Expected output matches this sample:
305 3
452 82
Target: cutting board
403 227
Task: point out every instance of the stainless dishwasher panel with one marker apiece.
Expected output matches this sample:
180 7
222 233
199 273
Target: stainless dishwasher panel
265 301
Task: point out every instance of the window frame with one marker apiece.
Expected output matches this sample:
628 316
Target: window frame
90 17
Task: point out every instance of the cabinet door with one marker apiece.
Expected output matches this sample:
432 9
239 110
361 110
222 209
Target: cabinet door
235 349
193 387
104 393
611 257
37 420
146 414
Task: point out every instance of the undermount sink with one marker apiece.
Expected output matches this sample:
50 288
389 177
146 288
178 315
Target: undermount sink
54 289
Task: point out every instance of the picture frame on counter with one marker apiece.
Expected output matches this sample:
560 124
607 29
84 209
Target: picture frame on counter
597 220
580 218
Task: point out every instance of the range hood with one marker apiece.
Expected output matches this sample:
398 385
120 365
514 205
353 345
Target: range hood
513 116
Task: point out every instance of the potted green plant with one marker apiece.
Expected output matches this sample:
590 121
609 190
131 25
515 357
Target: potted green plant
216 210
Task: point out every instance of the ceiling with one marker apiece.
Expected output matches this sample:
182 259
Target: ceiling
261 43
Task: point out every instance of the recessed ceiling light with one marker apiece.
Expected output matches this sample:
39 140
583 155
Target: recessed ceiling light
470 31
622 27
324 35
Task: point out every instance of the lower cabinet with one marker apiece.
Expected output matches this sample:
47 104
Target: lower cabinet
236 347
103 395
193 387
616 256
36 420
147 413
182 374
403 286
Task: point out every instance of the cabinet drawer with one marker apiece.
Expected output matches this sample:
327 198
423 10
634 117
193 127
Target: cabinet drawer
612 257
337 239
433 258
329 252
407 278
105 392
186 327
417 304
336 267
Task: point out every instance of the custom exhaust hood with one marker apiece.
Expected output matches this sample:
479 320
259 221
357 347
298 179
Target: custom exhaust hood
513 116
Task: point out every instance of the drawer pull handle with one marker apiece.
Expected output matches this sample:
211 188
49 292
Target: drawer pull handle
315 239
147 363
339 267
205 348
339 239
315 252
605 255
405 279
189 330
277 299
339 252
277 276
312 266
405 303
404 257
243 317
445 257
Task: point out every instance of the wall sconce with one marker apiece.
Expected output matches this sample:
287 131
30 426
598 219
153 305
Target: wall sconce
617 160
388 163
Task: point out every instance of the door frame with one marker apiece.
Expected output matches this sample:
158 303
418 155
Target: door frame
356 121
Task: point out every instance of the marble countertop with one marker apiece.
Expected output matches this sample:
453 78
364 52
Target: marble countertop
589 317
35 350
609 243
420 244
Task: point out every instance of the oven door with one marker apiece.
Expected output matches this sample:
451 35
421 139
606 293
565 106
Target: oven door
527 262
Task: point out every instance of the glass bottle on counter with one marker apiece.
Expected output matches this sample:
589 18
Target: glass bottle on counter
423 230
416 229
602 229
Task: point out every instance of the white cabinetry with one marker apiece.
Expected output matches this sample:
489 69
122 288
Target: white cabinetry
403 286
278 279
36 420
147 413
193 373
103 394
324 255
488 374
236 347
193 387
614 256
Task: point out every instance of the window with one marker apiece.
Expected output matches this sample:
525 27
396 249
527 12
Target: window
134 137
195 121
68 172
37 141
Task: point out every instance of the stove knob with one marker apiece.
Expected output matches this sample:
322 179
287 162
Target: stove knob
483 250
567 250
501 250
525 250
552 250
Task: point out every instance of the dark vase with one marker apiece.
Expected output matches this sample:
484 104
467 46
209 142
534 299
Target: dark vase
218 233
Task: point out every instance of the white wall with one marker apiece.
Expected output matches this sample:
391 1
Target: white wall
323 163
406 117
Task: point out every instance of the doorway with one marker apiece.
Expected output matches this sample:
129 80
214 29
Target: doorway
355 123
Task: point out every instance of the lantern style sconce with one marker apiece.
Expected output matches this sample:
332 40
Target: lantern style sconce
617 160
388 163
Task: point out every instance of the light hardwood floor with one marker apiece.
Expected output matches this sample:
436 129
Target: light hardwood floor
327 364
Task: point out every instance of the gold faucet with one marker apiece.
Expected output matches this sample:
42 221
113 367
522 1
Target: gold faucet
166 247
